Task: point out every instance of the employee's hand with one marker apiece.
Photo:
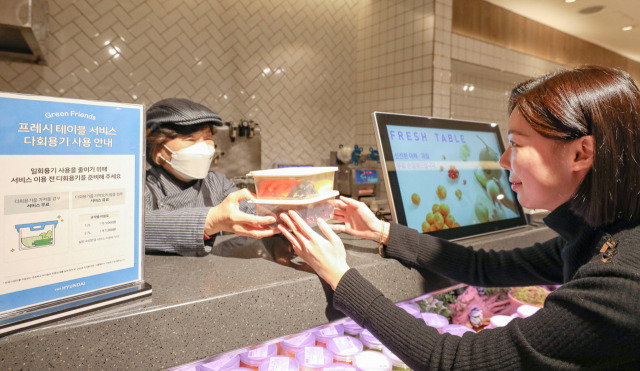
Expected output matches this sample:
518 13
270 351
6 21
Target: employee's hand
326 256
358 219
228 217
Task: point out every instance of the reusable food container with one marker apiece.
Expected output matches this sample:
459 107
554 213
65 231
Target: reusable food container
396 363
370 342
279 363
344 348
253 358
309 209
435 320
291 345
370 360
313 358
293 182
339 367
325 333
351 328
223 364
457 330
34 235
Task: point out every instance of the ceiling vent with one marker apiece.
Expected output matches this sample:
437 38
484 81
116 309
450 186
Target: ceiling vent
23 30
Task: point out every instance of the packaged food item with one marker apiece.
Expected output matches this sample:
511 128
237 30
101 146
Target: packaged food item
526 310
324 333
344 348
293 182
279 363
351 328
457 330
221 364
499 320
435 320
370 360
253 358
396 363
314 358
309 209
412 309
369 341
339 367
291 345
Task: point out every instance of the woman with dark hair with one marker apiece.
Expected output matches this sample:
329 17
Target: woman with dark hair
574 150
186 204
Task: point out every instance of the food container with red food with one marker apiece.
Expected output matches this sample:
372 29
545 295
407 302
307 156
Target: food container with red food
309 209
293 183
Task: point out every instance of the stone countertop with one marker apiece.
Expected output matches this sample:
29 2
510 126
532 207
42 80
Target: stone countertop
246 292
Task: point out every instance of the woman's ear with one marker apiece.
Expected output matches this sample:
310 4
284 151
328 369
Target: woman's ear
583 150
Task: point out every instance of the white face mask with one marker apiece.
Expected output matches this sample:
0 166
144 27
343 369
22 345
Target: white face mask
192 162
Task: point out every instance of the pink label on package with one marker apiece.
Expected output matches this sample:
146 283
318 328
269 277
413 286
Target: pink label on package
259 352
279 364
345 345
314 356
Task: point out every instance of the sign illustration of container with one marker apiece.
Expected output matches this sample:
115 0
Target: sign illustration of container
34 235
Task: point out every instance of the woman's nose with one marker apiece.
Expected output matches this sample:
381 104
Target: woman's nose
505 159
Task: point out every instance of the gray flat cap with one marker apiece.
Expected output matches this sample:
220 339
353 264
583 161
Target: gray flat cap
179 111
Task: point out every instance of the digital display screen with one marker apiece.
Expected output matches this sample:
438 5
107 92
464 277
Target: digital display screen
444 177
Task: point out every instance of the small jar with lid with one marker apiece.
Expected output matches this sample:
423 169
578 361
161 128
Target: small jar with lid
351 328
279 363
344 348
435 320
291 345
370 360
253 358
396 363
221 364
314 358
370 342
324 333
339 367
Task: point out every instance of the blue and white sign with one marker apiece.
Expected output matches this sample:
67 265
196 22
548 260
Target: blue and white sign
70 195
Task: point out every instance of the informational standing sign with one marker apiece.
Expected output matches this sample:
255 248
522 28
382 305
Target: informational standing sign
71 178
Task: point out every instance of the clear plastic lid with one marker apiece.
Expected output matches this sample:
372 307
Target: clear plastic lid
435 320
254 357
457 330
351 327
395 361
306 201
339 367
222 364
327 332
314 357
412 309
344 347
295 343
279 363
370 341
370 360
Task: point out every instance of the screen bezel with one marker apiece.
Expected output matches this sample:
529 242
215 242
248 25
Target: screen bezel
383 119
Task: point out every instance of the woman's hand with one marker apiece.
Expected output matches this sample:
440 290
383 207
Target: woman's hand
326 256
358 220
228 217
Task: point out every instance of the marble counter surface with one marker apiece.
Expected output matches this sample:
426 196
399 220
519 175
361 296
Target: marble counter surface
249 292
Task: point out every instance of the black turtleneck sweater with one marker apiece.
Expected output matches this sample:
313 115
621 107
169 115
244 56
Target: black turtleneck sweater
591 322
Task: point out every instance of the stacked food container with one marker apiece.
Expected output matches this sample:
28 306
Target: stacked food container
307 190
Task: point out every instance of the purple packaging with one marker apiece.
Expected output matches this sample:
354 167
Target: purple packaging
369 341
254 357
344 348
314 358
457 330
223 364
291 345
279 363
412 309
352 328
325 333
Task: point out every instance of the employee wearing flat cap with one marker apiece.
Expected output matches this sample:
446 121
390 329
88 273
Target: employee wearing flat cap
186 204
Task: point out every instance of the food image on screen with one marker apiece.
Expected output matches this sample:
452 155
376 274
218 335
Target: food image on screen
449 178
